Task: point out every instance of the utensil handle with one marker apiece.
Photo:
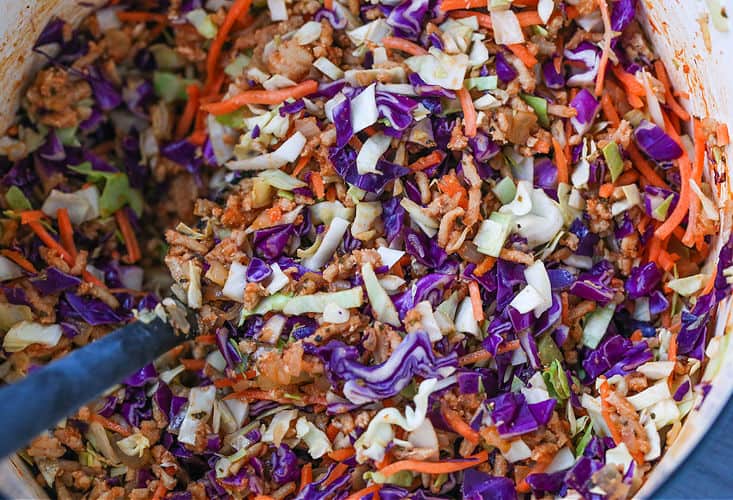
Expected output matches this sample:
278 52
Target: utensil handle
52 393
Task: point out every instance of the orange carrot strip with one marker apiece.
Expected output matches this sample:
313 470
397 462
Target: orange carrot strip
710 284
600 79
189 112
128 235
224 382
263 497
332 431
141 17
427 161
261 97
193 364
109 424
485 266
28 216
655 247
469 112
722 134
524 54
160 491
302 162
357 495
328 4
606 413
539 467
483 354
700 142
563 175
670 101
645 168
666 260
396 43
484 20
306 476
336 473
476 303
342 454
454 420
630 83
628 177
609 110
529 18
447 5
606 190
66 231
18 258
206 339
237 10
317 183
445 467
683 205
48 240
565 312
672 351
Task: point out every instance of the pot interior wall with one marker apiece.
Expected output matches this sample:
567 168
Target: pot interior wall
695 58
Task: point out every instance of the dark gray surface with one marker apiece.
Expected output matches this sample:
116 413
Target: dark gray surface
48 395
707 472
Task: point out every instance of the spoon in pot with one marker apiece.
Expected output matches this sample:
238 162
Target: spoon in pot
51 393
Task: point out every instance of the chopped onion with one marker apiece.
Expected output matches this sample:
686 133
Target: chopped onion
331 240
389 256
326 211
217 361
9 270
465 320
279 426
332 313
427 323
272 329
537 278
518 450
288 152
527 300
236 282
426 223
328 68
278 10
382 306
544 9
656 370
370 153
316 303
363 109
308 33
373 32
200 404
25 333
278 281
82 205
107 19
315 438
507 30
439 68
564 459
366 213
689 285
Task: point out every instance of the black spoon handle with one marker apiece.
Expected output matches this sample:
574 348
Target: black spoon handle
54 392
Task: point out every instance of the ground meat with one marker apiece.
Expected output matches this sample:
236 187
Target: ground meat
341 268
447 224
150 429
636 382
45 446
281 367
189 43
253 292
44 306
458 141
100 293
54 96
627 420
290 60
441 205
600 215
381 340
70 437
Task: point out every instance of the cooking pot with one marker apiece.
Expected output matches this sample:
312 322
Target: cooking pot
698 58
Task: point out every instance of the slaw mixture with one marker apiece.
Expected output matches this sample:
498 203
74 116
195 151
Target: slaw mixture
437 249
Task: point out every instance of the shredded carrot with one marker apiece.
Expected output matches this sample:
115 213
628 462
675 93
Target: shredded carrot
396 43
710 284
160 491
628 177
630 83
110 424
92 279
700 143
484 20
328 4
609 110
306 476
523 53
342 454
683 204
189 112
529 18
274 213
483 354
485 266
454 420
261 97
237 10
672 351
302 162
669 99
607 30
193 364
606 190
571 12
445 467
636 336
263 497
476 303
469 112
332 431
645 168
364 492
336 473
128 235
206 339
538 468
317 184
48 240
18 258
66 231
450 185
29 216
606 412
565 312
561 162
722 134
654 248
666 260
141 17
224 382
447 5
427 161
